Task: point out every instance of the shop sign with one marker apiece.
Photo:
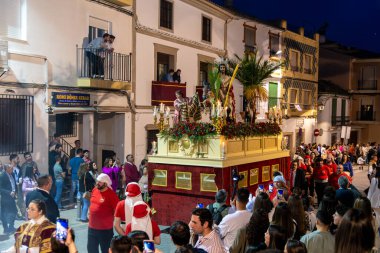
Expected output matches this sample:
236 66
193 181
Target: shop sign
68 99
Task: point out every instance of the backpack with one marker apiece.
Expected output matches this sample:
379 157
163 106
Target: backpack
217 215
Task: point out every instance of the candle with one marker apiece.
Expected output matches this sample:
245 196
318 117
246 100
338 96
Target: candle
155 110
167 111
213 111
162 108
223 149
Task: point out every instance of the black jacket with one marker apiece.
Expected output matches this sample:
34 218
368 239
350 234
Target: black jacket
300 180
52 211
90 182
8 203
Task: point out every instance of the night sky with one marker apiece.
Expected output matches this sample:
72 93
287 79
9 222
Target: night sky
354 23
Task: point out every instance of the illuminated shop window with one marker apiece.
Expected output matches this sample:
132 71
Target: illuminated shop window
183 180
254 176
208 183
244 181
275 167
266 173
160 178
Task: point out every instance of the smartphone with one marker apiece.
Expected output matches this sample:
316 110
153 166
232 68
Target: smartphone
200 205
280 194
62 228
148 246
271 188
261 187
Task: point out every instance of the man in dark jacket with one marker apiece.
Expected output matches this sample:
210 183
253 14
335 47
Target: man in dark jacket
42 192
8 190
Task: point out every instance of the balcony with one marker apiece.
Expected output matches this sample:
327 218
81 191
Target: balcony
366 115
164 92
367 84
121 3
99 69
340 120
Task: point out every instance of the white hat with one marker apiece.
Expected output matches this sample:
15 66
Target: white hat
279 179
104 178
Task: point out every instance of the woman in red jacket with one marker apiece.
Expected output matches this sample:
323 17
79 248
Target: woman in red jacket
321 175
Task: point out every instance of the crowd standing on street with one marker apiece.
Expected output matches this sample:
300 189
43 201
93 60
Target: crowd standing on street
313 208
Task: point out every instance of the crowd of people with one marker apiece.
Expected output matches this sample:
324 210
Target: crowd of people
314 208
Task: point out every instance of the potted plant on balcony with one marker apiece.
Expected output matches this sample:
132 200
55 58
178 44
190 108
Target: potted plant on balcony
253 71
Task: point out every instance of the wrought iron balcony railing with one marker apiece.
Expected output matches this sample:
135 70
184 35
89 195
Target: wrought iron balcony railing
100 64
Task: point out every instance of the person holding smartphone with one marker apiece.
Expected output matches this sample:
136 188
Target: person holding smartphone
34 235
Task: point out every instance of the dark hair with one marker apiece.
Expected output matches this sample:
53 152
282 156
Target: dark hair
27 153
276 173
341 209
76 141
12 156
57 246
204 215
257 226
364 204
221 196
107 161
185 249
57 146
298 214
355 233
91 165
41 206
180 233
329 201
294 246
56 135
78 151
86 151
282 217
120 244
242 195
262 201
278 237
343 182
112 36
43 180
171 70
324 217
57 158
105 35
29 172
138 238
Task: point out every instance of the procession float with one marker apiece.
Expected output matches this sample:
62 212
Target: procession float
206 148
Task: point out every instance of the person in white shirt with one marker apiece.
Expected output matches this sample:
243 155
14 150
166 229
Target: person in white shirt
201 225
231 223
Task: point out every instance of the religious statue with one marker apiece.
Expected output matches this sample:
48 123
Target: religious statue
185 108
226 92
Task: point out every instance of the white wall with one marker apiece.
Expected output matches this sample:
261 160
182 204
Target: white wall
187 20
53 30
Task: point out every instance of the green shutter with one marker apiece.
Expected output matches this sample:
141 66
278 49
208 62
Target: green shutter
272 101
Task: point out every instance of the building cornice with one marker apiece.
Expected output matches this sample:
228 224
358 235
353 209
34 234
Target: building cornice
172 38
210 8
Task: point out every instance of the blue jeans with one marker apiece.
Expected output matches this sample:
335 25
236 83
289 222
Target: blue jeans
74 189
58 193
96 238
86 205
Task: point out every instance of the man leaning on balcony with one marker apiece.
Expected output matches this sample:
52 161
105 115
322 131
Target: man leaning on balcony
94 52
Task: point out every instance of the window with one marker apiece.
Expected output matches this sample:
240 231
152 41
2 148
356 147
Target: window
368 78
294 60
249 38
16 124
274 43
203 72
151 136
307 64
306 97
206 29
66 124
13 19
97 27
166 14
164 63
293 96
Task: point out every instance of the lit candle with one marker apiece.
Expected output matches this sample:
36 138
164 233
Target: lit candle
213 111
223 149
162 108
167 111
155 110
